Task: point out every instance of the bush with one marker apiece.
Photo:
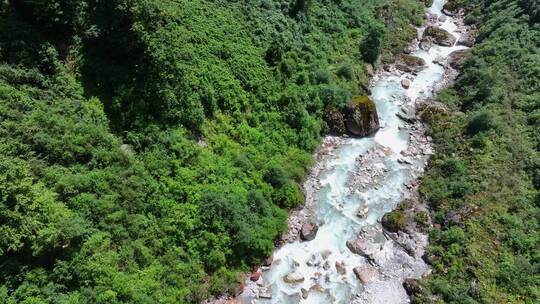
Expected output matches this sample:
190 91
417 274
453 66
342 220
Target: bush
289 195
346 71
481 122
276 176
373 43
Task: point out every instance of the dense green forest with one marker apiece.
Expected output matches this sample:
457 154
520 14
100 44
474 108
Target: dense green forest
150 149
484 184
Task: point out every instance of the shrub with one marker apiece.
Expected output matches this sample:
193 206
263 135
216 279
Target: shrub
346 71
482 121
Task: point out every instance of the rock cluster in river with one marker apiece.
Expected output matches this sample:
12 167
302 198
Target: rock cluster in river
370 170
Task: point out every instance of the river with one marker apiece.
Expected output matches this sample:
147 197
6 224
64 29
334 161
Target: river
361 174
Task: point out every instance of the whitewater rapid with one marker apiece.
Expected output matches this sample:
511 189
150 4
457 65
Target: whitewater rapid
338 204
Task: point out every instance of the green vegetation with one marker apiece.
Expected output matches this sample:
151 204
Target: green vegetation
484 185
149 150
395 220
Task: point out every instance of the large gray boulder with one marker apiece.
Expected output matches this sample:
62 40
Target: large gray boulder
407 114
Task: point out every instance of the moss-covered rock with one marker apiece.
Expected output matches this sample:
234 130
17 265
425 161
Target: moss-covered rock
408 63
438 36
395 220
428 111
428 3
335 121
451 7
457 58
361 117
412 286
411 60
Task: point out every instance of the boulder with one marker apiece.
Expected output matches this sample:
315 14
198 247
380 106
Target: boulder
317 288
428 258
293 278
407 114
405 83
448 12
425 44
255 275
442 18
439 60
366 274
266 293
314 261
438 36
335 120
431 18
456 59
412 286
361 117
269 260
404 160
308 231
409 63
450 8
362 212
340 268
358 246
362 247
466 40
305 293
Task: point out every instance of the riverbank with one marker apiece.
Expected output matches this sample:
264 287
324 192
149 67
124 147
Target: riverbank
483 182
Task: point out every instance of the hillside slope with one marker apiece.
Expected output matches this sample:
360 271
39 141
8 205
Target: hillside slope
484 182
150 150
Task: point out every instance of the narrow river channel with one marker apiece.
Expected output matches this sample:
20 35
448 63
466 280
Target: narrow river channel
383 177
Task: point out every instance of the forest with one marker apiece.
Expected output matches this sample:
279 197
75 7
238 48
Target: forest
150 150
484 184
